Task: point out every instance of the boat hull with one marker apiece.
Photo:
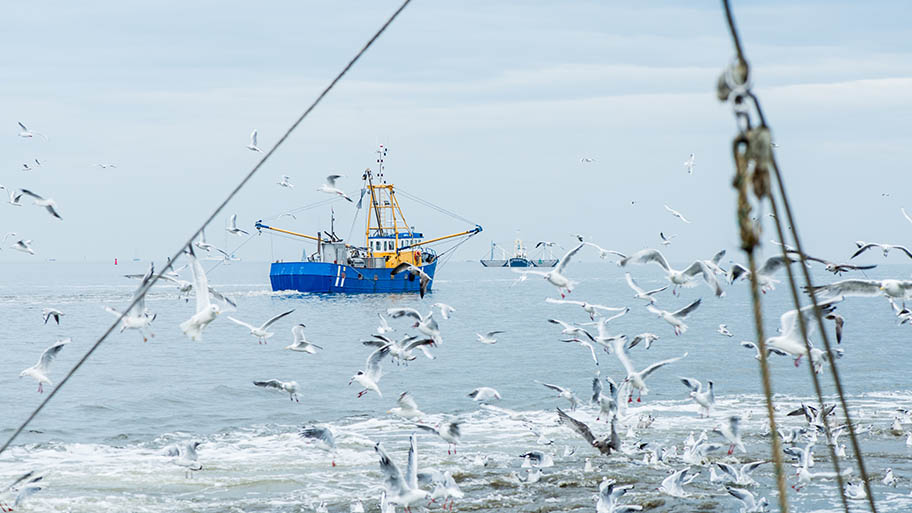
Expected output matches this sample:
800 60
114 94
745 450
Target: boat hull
519 262
329 278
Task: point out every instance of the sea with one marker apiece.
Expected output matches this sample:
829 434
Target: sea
100 442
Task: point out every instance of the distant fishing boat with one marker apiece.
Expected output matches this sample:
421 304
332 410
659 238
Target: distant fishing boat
520 257
339 267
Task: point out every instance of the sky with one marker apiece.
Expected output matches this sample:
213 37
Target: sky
486 108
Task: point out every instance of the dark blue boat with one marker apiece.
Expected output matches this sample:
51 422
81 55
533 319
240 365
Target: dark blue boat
394 259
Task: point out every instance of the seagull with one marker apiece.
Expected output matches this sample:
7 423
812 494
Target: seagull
587 160
608 404
323 435
704 397
137 318
27 489
723 330
546 243
889 479
571 330
29 133
897 289
833 267
24 246
484 394
677 278
676 318
689 164
286 386
206 311
648 338
261 332
603 253
605 445
789 340
408 408
637 379
674 484
609 493
563 393
864 246
15 196
330 187
589 308
402 350
448 490
186 456
676 214
384 327
300 343
748 503
764 274
232 227
423 278
741 475
285 182
769 350
253 142
732 434
48 204
105 166
839 321
817 418
26 167
488 338
39 370
448 431
424 324
402 489
641 293
666 241
556 276
369 379
445 309
202 244
855 491
47 313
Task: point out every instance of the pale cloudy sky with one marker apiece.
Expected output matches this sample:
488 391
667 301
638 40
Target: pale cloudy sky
487 108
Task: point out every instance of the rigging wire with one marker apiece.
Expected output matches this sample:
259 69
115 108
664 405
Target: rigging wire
766 161
144 289
435 207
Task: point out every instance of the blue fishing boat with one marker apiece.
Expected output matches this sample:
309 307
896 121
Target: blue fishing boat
394 259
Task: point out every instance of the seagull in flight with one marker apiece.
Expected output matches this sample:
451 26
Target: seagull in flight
769 350
286 182
106 166
48 313
39 370
488 338
895 289
637 379
749 504
642 293
330 187
423 278
723 330
563 393
702 396
137 318
864 246
407 407
425 325
253 142
401 489
689 164
48 204
589 308
206 310
611 442
29 133
676 214
666 240
449 431
233 227
24 246
587 160
286 386
369 379
15 197
300 343
384 326
445 309
484 394
261 332
677 278
202 244
789 339
556 277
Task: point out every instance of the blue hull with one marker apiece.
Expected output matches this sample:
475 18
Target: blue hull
327 278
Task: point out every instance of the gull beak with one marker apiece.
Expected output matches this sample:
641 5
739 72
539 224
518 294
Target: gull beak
351 381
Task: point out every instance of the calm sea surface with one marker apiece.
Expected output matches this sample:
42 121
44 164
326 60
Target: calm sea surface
99 442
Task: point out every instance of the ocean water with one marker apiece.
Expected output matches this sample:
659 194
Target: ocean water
99 443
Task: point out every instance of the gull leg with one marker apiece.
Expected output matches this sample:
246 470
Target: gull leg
798 360
40 388
731 449
361 393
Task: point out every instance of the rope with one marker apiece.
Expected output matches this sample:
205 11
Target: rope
320 203
145 288
760 151
749 240
435 207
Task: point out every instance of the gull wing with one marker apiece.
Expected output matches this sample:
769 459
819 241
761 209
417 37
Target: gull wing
848 288
728 470
698 267
411 469
744 496
556 388
298 333
863 248
657 365
253 138
687 310
645 256
563 301
395 313
272 383
905 214
566 259
737 271
407 402
274 319
691 383
404 266
747 468
395 481
200 282
621 353
372 367
901 248
21 478
320 433
632 284
50 353
331 180
420 344
576 425
717 257
242 323
773 264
